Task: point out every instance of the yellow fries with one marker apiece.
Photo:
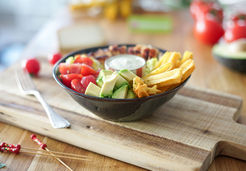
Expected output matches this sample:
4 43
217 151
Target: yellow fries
166 78
163 58
139 88
142 90
187 68
187 55
161 69
153 90
170 71
174 59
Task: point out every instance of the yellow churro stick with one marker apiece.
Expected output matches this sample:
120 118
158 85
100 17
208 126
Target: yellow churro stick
187 68
164 79
164 57
174 59
162 68
187 55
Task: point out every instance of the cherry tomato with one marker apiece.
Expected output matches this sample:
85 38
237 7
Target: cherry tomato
67 78
70 68
87 70
237 28
83 60
208 31
87 79
32 66
139 72
54 58
77 86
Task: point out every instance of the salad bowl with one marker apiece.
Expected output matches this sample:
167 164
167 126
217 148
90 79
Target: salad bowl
116 109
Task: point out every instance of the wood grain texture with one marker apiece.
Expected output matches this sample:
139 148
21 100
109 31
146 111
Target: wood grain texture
184 134
208 75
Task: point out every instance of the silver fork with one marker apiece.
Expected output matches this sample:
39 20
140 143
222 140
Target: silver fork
26 85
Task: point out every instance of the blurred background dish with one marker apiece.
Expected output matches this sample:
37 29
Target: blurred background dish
232 55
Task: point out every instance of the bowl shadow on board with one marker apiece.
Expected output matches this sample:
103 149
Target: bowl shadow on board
117 110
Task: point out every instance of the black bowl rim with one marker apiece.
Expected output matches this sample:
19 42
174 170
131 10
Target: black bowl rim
108 99
228 58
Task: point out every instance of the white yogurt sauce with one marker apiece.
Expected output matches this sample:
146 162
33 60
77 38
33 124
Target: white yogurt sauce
124 61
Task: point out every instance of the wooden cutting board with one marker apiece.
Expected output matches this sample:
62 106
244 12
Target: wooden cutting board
186 133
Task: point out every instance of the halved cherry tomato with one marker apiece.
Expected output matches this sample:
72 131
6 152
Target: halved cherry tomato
83 60
87 79
32 66
67 78
87 70
70 68
77 86
54 58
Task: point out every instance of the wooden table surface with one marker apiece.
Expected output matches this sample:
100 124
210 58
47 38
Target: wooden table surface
209 74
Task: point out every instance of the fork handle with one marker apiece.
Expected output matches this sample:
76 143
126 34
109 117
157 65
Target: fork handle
56 120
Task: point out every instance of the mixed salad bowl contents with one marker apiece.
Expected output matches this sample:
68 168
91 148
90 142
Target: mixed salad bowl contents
125 72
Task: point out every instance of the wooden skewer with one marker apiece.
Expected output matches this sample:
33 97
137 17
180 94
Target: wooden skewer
16 148
48 154
44 147
55 152
64 164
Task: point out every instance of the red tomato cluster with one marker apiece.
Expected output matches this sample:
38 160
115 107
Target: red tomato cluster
208 18
79 74
83 60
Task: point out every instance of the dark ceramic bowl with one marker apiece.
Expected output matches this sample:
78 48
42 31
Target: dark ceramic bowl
116 109
234 61
234 64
